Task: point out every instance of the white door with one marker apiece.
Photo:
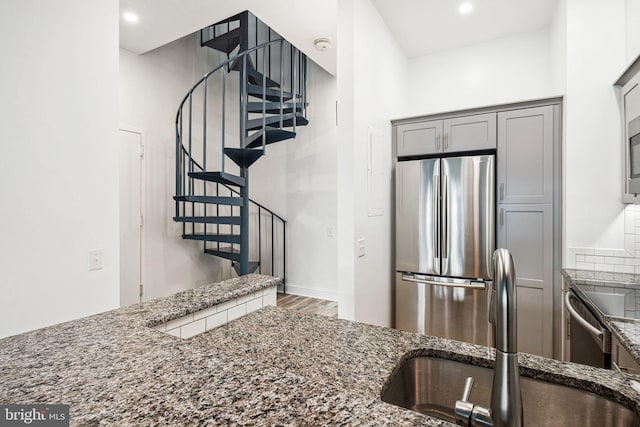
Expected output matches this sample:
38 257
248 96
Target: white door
131 220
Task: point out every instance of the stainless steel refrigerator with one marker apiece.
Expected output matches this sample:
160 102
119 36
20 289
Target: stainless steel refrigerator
445 237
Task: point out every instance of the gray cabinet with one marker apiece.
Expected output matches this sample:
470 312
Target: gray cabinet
621 359
477 132
466 133
527 231
414 139
525 185
525 153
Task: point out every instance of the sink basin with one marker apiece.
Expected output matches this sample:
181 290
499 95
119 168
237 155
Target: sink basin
609 304
431 386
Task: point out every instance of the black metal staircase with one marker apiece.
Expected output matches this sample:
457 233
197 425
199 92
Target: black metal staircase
213 204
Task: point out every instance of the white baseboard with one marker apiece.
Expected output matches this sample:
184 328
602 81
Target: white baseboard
304 291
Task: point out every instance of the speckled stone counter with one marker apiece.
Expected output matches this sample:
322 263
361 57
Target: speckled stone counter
270 367
625 327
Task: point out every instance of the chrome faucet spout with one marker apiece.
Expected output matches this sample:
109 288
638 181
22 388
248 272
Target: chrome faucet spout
506 396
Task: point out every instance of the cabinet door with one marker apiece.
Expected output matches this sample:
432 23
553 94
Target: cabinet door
525 155
466 133
415 139
623 361
527 232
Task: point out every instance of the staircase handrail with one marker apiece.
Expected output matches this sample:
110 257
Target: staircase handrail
218 67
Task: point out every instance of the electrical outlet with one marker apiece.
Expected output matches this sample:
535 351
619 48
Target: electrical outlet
95 259
361 245
331 231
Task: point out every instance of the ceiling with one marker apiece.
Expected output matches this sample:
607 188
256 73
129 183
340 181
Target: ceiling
422 27
163 21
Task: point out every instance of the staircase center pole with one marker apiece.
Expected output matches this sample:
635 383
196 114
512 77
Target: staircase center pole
244 172
244 223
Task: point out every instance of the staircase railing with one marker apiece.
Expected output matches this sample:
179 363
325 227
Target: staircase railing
272 259
193 157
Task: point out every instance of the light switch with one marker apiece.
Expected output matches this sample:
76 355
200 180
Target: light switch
95 259
331 231
361 246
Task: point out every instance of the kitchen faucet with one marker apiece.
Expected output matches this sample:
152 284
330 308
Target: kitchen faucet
506 398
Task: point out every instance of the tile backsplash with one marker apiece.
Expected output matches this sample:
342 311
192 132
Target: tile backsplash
625 260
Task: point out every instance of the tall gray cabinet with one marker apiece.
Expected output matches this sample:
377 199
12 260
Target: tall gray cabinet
526 190
526 137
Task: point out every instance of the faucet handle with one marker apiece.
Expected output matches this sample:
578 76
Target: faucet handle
464 408
468 385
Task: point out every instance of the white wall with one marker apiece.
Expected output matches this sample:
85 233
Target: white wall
510 69
601 232
633 29
558 48
297 179
151 88
596 56
372 74
59 161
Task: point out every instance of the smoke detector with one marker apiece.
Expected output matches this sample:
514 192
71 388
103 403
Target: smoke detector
322 44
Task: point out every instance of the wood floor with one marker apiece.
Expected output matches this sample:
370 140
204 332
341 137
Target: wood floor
308 305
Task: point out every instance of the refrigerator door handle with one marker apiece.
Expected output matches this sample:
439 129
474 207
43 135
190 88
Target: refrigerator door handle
466 284
445 218
436 222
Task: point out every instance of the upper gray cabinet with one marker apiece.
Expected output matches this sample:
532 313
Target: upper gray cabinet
525 153
415 139
466 133
475 132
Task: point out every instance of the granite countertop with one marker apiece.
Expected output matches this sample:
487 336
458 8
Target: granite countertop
625 324
270 367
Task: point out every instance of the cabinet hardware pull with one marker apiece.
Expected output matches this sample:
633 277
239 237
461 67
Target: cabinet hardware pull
437 141
501 216
502 191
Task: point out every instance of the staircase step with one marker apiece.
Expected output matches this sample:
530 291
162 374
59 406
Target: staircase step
213 200
273 135
226 253
243 157
221 177
253 266
274 121
255 124
271 94
273 107
300 121
255 76
226 238
233 220
226 42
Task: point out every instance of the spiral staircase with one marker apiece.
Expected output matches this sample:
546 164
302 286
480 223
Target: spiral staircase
260 91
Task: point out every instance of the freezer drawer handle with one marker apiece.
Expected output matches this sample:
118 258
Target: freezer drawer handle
572 311
476 285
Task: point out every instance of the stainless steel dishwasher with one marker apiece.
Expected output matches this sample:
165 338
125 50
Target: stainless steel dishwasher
590 340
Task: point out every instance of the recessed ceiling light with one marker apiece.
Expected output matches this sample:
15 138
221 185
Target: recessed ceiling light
130 17
465 7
